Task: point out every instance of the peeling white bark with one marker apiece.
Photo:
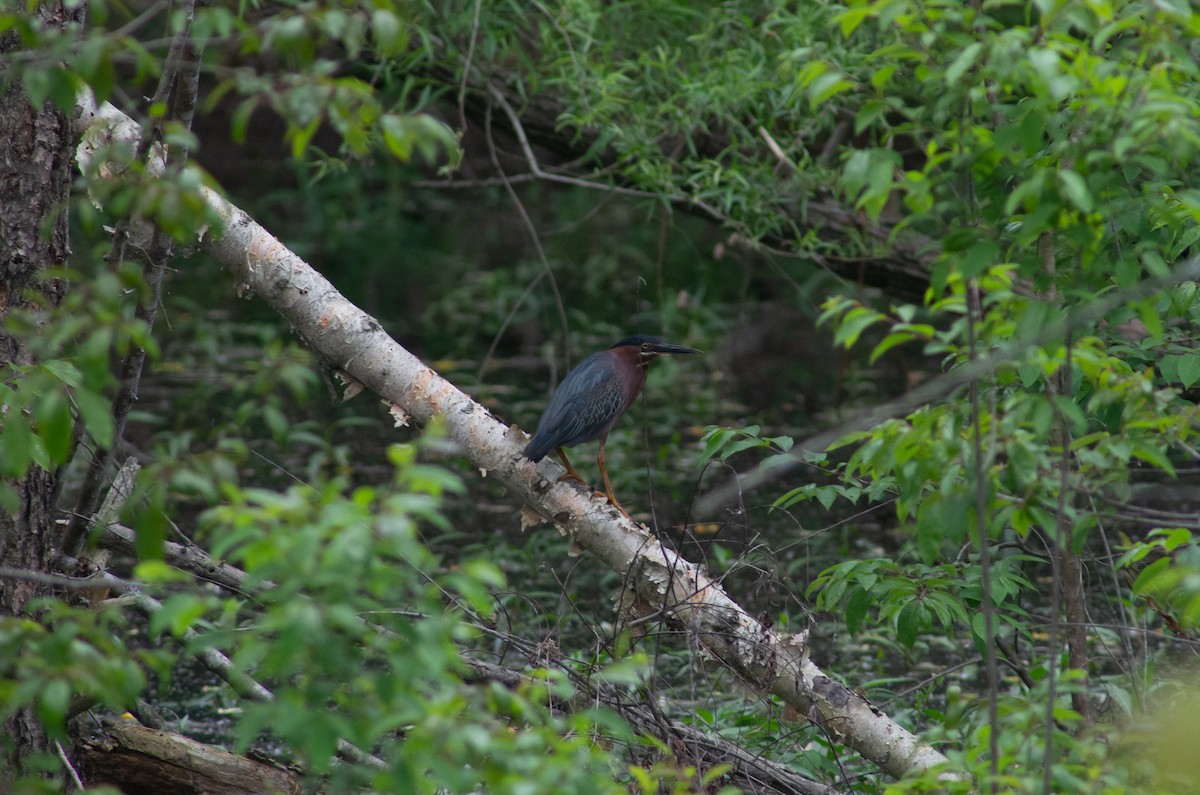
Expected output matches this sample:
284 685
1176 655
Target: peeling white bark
664 583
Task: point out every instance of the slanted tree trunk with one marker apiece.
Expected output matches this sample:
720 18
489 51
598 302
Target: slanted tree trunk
35 176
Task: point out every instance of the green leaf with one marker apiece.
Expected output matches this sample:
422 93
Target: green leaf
240 120
1168 366
1189 369
825 87
96 413
929 535
1031 131
629 671
978 258
741 444
871 111
178 614
857 320
826 495
1147 581
10 503
714 439
851 18
856 609
908 623
965 60
1076 190
94 66
17 451
889 342
65 371
158 572
1155 456
389 33
301 136
1028 193
1172 538
55 424
869 177
36 83
276 422
794 496
979 629
397 136
784 443
149 519
54 699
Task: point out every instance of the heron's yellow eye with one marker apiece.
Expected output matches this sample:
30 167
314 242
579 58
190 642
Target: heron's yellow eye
645 346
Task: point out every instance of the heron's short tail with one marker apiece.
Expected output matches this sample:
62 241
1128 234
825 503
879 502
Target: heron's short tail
535 451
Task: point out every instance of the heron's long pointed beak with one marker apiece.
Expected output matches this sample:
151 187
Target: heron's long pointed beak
666 347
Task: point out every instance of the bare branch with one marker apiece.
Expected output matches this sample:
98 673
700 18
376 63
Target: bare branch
62 755
98 580
187 557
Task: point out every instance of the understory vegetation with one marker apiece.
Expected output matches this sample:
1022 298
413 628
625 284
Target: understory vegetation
942 261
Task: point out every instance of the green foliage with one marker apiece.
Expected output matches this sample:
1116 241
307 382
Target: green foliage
1079 761
63 656
314 43
1031 142
684 99
65 395
667 778
356 625
909 597
725 442
1169 575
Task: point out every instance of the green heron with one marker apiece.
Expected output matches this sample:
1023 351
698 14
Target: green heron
593 397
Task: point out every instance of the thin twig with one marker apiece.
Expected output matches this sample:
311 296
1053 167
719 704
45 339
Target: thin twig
100 579
134 25
62 755
928 680
537 242
462 88
974 309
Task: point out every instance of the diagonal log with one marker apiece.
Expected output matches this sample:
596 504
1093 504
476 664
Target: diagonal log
665 584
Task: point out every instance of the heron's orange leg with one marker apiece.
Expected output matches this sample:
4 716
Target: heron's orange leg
608 489
570 474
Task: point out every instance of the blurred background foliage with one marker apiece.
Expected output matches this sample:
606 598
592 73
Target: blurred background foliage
839 203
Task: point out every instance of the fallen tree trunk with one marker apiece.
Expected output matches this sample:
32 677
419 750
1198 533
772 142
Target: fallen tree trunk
664 584
144 761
